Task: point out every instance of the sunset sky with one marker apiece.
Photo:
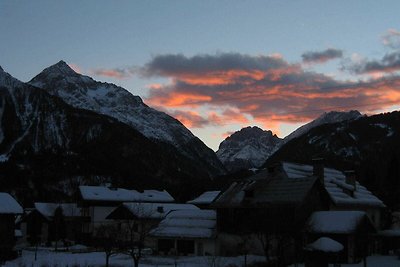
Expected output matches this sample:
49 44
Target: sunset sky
218 66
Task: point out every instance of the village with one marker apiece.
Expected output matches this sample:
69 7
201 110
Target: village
286 214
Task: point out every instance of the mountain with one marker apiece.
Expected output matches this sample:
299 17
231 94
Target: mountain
369 145
108 99
247 148
48 147
327 117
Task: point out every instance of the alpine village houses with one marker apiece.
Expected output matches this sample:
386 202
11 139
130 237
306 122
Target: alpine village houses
288 212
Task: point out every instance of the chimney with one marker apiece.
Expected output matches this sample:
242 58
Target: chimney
351 178
318 169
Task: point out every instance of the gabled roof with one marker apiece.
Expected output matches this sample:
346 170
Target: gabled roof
266 190
48 209
108 194
337 222
335 184
205 198
8 205
187 224
131 210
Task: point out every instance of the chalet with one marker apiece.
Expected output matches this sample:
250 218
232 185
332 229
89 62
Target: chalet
9 209
97 202
267 204
48 222
351 229
187 232
205 199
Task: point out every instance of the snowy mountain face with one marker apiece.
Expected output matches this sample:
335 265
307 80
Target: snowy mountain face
46 143
329 117
104 98
248 148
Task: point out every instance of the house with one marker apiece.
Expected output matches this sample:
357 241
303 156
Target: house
97 202
187 232
205 199
48 222
344 191
351 229
9 209
266 205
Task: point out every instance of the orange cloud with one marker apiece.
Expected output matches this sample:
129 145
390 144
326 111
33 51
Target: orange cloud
246 90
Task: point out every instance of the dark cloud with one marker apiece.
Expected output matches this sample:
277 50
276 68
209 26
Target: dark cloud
171 65
388 64
322 56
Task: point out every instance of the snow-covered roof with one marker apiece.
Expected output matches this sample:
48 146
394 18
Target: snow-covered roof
336 222
205 198
335 184
103 193
48 209
187 224
155 210
8 205
325 244
275 190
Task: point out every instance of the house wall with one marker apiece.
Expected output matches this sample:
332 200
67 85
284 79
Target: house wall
98 216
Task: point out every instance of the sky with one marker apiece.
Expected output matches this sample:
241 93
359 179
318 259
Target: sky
218 66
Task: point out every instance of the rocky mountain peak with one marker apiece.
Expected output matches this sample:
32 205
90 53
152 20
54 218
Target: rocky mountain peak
61 68
247 148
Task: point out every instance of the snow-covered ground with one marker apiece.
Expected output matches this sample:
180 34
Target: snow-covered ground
60 259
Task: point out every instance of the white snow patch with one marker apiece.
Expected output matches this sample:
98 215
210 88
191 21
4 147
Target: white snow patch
325 244
8 205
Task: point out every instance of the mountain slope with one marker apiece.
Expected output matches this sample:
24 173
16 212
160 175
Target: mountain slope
104 98
370 145
327 117
45 145
247 148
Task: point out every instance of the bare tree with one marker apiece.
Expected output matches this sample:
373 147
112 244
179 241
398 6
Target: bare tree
107 237
136 225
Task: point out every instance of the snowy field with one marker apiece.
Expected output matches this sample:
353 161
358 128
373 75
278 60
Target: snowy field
61 259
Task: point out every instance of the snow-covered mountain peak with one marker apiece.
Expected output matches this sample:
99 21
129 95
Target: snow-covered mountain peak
1 69
106 98
247 148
